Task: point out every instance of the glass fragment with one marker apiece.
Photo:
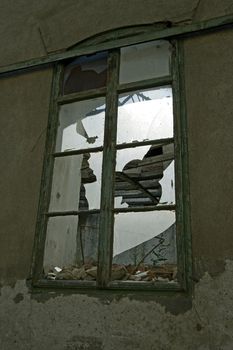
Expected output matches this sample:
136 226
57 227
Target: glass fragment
145 176
85 73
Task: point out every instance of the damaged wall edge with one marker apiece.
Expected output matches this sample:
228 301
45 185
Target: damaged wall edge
153 34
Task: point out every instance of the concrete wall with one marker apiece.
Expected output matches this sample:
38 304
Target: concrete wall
49 319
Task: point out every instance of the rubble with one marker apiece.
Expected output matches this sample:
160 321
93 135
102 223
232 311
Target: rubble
119 272
88 272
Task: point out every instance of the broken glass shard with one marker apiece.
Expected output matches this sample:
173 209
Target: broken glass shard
145 176
85 73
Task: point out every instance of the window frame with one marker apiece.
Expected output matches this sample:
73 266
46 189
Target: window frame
183 233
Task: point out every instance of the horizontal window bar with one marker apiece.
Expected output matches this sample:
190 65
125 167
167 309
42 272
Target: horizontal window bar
145 84
145 143
118 147
72 212
146 208
116 210
120 285
65 283
80 96
78 151
145 285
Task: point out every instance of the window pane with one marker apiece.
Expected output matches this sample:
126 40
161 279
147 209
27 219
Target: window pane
145 61
81 125
145 176
144 246
71 247
76 182
85 73
145 115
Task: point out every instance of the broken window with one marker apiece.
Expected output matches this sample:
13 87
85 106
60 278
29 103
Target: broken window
111 198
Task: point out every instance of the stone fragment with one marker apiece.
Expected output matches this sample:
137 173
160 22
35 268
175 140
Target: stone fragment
79 273
92 271
51 276
65 275
118 272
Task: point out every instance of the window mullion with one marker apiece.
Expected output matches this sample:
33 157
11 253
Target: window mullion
37 264
108 173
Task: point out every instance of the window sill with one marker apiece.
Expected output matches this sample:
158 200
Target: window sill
116 285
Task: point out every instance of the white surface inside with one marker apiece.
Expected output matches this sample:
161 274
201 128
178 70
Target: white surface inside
60 245
132 229
146 120
76 129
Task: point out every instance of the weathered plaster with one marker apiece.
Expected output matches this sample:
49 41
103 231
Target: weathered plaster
208 68
81 322
24 108
212 9
84 321
108 15
36 28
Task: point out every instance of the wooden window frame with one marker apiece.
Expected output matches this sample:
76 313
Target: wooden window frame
183 232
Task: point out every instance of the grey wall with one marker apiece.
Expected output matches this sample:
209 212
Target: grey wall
24 114
48 319
208 71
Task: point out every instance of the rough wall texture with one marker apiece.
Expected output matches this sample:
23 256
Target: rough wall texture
37 28
24 114
72 321
78 322
208 68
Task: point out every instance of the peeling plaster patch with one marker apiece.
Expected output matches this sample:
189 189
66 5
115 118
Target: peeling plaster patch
79 322
18 298
213 266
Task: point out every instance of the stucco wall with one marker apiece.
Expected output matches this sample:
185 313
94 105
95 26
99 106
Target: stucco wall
47 319
79 322
208 71
36 28
24 113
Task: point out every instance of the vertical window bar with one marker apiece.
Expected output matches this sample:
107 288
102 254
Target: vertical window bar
37 263
183 235
108 172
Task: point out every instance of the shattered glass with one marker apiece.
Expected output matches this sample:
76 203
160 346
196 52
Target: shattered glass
145 176
85 73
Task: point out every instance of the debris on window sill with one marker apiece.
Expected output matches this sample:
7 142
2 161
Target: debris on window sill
87 272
